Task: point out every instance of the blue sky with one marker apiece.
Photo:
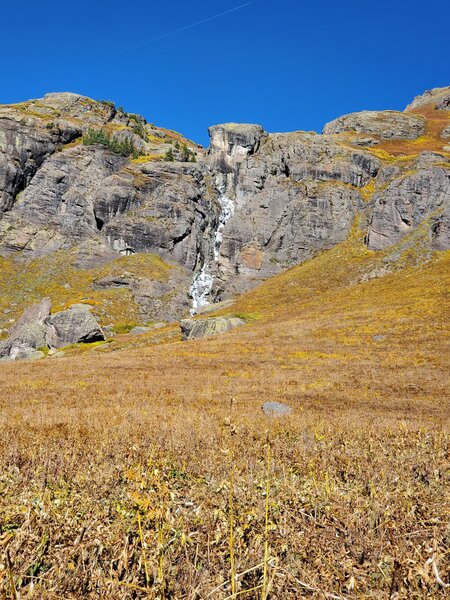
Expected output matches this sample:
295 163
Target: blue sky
285 64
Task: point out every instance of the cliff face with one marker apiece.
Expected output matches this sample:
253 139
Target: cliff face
252 205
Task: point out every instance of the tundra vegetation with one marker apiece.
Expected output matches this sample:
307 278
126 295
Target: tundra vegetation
147 470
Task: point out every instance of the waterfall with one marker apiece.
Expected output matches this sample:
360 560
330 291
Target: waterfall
203 280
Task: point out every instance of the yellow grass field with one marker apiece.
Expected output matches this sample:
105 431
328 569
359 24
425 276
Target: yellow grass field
145 468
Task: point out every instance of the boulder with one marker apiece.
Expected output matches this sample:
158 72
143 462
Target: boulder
73 326
192 330
139 330
29 333
445 133
276 409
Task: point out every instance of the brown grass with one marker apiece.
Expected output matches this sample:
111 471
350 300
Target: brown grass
116 467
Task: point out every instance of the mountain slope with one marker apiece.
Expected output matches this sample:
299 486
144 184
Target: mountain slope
83 180
150 439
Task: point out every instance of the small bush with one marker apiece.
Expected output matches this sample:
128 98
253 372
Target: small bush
169 155
187 154
139 130
108 103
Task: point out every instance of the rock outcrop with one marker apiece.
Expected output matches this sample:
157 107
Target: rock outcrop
191 330
29 333
385 124
251 206
37 330
437 98
405 202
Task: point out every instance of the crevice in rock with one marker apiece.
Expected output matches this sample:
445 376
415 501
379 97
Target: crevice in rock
99 222
183 236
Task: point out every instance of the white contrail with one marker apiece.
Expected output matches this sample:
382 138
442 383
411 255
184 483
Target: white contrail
225 12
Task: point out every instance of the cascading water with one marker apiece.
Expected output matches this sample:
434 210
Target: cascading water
203 281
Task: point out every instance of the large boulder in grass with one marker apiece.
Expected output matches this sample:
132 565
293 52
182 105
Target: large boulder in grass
192 330
29 333
36 329
73 326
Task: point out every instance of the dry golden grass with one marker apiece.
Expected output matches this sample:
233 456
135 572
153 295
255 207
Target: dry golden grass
122 472
436 121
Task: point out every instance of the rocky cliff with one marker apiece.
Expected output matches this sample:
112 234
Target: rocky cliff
90 192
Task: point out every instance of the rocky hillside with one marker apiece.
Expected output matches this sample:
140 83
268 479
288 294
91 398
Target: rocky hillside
98 206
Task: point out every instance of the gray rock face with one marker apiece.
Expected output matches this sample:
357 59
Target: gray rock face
252 206
32 131
232 143
406 202
72 326
24 146
192 330
385 124
291 197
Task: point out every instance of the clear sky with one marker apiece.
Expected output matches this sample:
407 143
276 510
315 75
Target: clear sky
286 64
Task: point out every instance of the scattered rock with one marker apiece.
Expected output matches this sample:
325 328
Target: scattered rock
192 330
276 409
139 330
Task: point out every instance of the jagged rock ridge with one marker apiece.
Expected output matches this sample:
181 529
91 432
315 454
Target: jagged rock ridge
252 205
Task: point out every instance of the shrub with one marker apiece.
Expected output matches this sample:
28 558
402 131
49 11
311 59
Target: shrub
169 155
108 103
139 130
187 154
99 137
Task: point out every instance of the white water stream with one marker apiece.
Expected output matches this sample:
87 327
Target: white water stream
203 281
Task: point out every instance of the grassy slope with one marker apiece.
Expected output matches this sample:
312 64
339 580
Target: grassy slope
116 467
56 275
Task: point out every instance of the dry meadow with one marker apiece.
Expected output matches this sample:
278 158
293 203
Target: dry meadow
145 468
